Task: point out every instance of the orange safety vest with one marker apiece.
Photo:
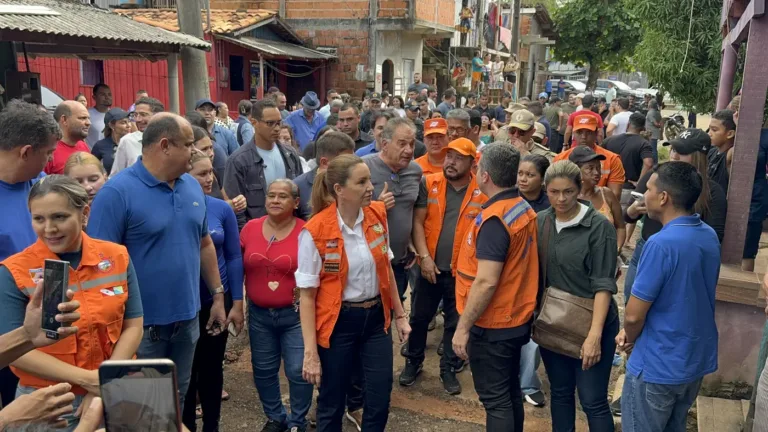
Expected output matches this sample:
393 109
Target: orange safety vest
100 284
325 231
426 167
514 300
433 224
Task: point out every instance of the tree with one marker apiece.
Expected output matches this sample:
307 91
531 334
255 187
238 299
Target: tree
660 54
598 33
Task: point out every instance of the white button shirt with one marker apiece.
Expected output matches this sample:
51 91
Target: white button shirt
362 280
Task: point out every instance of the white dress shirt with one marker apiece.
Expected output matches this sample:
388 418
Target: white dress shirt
362 280
128 152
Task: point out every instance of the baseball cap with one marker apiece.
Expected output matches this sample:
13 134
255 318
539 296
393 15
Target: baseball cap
114 114
411 106
375 96
585 121
543 95
541 131
204 101
522 119
435 126
515 107
690 141
463 146
584 154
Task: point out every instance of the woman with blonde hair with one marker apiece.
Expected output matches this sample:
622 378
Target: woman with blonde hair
88 171
347 294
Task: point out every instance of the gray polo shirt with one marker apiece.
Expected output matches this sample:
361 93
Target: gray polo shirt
453 200
405 186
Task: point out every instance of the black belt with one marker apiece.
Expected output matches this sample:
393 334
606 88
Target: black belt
366 304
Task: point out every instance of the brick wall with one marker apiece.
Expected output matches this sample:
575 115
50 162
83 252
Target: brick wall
297 9
525 25
239 4
352 50
394 8
446 15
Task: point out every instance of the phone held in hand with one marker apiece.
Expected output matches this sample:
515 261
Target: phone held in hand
638 196
55 282
232 330
140 395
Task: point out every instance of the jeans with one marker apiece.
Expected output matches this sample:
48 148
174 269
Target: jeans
275 335
176 342
655 149
529 363
207 377
496 375
426 298
648 407
401 279
72 421
566 377
359 333
629 278
8 384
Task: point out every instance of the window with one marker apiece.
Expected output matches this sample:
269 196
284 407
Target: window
408 68
91 72
236 79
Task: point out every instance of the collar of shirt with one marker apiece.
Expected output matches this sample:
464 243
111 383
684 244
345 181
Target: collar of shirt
585 221
343 226
692 220
257 155
146 177
503 195
311 178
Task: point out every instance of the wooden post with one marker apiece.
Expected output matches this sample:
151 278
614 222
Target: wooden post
727 74
260 93
754 87
173 83
193 61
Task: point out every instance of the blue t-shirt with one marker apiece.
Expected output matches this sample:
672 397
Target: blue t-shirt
16 232
367 150
225 138
303 130
677 273
274 166
222 225
477 64
162 228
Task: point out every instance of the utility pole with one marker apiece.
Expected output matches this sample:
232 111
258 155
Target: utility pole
194 66
516 27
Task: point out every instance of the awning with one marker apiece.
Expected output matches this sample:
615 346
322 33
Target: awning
276 49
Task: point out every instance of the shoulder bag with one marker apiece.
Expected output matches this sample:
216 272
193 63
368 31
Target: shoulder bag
564 319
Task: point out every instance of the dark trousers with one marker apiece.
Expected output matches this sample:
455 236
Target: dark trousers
401 279
8 384
566 377
556 142
359 334
207 378
426 299
496 373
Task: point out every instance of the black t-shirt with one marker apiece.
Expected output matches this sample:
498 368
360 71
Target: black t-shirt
632 149
104 150
718 170
488 111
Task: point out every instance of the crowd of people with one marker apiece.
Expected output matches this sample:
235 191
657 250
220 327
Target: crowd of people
309 226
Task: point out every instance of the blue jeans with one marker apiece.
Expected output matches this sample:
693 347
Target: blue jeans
566 377
72 421
629 278
275 335
529 363
647 407
359 334
176 342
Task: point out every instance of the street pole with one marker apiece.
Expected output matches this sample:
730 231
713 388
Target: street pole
193 62
516 44
173 83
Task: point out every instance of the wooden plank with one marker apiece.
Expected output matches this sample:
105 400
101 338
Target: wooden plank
705 414
745 408
729 416
738 286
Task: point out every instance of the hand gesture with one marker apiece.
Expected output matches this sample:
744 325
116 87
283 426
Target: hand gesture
42 407
34 317
388 198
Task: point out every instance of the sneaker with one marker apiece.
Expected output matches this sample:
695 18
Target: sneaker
274 426
356 417
450 383
404 350
536 399
432 324
409 373
459 366
440 349
616 405
298 429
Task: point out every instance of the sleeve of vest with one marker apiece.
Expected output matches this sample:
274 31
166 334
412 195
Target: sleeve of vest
133 306
13 302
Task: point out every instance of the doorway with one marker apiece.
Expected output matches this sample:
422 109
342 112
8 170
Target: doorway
387 76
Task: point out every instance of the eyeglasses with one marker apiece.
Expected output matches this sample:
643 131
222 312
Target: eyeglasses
457 130
138 114
513 131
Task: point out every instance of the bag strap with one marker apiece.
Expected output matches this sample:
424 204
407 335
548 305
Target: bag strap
544 258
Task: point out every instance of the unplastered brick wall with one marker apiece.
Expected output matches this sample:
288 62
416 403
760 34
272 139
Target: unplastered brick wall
352 49
525 25
239 4
394 8
343 9
446 15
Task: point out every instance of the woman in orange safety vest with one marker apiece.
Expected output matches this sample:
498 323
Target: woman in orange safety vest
103 280
348 294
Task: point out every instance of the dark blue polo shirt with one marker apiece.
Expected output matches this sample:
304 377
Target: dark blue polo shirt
162 229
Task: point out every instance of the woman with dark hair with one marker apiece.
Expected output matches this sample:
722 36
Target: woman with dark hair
204 144
398 105
116 126
82 99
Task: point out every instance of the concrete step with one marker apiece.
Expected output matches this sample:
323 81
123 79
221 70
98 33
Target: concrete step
721 415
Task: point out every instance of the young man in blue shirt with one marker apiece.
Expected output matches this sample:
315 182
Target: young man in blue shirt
669 323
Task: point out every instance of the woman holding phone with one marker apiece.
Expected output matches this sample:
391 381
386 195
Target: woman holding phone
207 378
348 294
105 284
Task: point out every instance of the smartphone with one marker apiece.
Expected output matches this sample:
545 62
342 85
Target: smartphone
638 196
55 282
233 330
140 395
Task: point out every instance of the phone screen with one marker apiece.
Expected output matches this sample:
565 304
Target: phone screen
54 280
139 399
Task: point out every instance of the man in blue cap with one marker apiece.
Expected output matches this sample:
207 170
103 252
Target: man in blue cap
307 121
222 135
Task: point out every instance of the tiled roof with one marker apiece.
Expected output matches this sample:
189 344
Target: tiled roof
67 18
222 21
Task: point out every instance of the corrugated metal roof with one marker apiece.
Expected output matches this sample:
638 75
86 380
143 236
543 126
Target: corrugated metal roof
278 49
85 21
222 21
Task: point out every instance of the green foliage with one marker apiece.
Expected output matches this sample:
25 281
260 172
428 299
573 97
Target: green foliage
599 33
660 54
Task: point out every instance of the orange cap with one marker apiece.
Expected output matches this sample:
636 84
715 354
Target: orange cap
438 125
463 146
585 121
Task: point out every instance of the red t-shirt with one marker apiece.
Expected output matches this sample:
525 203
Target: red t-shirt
269 279
61 154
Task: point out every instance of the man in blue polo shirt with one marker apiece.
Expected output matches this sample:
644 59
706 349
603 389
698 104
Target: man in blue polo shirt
670 317
222 135
306 121
158 212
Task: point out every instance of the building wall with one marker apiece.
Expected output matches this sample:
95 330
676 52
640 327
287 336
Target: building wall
326 9
397 47
238 4
444 9
352 50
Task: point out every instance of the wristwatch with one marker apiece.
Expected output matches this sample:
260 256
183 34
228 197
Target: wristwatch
219 290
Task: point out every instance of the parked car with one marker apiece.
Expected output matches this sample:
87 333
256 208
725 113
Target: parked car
622 89
50 99
570 86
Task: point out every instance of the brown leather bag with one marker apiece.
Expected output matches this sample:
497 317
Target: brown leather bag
564 319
